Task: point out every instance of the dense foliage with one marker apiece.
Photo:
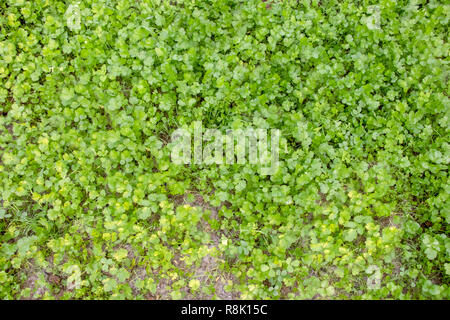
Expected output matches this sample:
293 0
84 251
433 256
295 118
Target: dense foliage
91 205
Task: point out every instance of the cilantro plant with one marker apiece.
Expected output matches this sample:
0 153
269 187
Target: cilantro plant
92 207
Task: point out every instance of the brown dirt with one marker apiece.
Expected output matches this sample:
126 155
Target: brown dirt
209 270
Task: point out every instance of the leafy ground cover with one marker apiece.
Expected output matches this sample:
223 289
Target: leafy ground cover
91 205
